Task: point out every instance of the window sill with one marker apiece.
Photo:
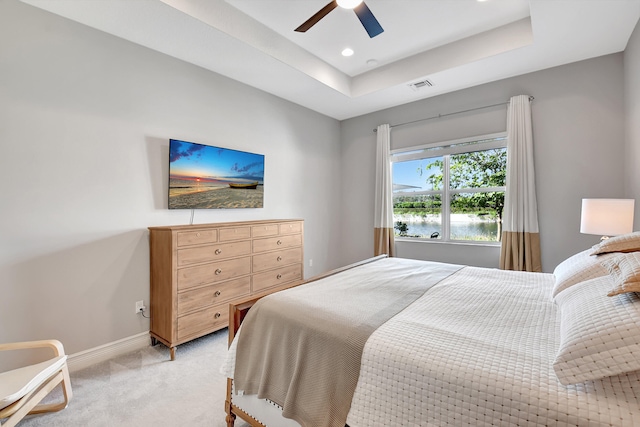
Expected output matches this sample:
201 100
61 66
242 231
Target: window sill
448 242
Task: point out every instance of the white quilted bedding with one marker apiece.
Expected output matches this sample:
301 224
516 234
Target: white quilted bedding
477 349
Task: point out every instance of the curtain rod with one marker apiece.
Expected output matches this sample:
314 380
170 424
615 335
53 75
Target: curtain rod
531 98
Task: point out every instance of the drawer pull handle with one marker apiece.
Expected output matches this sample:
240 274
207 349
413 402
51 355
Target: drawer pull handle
217 315
279 242
218 271
279 276
217 294
279 258
218 251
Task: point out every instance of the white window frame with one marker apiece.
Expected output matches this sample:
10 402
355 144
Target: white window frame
445 149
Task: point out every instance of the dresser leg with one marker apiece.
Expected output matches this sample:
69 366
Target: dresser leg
173 353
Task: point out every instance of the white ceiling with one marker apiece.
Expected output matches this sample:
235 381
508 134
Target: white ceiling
453 43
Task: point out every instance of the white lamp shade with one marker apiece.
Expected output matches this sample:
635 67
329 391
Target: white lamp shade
607 217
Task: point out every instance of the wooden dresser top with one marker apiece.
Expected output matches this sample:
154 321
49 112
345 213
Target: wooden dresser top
221 224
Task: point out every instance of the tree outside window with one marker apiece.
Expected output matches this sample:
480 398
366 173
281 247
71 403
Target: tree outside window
457 196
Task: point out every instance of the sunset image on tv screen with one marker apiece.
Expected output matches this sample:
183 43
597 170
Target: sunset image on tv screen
207 177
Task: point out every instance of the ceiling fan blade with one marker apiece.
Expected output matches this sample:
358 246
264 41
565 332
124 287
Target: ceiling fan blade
369 21
317 17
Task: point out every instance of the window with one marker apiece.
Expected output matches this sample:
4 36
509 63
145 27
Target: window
452 191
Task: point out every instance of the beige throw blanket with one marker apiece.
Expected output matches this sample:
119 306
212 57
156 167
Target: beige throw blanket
301 348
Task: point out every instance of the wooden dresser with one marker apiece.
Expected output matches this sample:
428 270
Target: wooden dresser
196 270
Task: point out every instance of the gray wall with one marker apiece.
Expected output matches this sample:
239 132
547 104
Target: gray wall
578 127
85 122
632 115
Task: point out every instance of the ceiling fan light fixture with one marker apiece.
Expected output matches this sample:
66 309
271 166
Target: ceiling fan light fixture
362 11
349 4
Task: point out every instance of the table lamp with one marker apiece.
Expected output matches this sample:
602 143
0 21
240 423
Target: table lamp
607 217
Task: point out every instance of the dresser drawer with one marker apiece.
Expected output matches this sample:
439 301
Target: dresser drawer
188 256
290 227
217 271
279 242
238 233
276 259
264 230
196 299
197 270
203 321
276 277
187 238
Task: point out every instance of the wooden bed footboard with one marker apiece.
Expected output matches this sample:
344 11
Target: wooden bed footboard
238 311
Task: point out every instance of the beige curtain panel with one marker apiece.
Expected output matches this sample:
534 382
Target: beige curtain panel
520 236
520 251
383 216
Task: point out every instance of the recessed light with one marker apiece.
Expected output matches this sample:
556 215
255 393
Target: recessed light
347 52
372 62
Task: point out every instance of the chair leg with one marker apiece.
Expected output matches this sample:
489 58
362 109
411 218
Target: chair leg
65 383
33 400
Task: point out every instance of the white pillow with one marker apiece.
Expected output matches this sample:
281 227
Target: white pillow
624 269
599 335
622 243
578 268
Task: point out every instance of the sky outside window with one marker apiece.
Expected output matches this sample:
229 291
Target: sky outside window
412 175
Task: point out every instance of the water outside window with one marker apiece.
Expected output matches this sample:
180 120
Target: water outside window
421 214
473 186
478 226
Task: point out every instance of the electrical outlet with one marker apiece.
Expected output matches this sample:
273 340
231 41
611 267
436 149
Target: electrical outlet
310 263
140 306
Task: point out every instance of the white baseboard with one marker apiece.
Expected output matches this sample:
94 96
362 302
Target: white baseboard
89 357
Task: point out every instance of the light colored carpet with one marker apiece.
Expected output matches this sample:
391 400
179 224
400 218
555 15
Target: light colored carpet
145 388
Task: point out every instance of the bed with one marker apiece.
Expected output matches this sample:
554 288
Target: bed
457 345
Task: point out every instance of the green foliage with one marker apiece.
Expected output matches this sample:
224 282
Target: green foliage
420 201
473 170
482 169
402 228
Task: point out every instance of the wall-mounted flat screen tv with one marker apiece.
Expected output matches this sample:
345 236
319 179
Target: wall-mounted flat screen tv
207 177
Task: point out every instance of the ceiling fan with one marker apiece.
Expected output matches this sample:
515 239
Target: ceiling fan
369 22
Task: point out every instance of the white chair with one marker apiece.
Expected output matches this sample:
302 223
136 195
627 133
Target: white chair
22 389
